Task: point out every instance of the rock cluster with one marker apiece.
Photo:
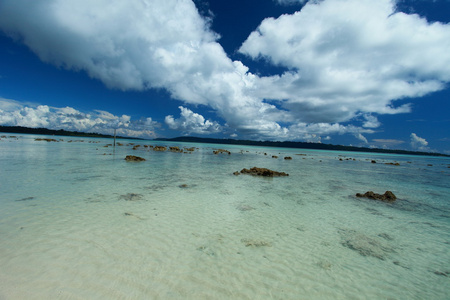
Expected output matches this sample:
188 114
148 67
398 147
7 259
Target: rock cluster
47 140
218 151
159 148
261 172
134 158
388 196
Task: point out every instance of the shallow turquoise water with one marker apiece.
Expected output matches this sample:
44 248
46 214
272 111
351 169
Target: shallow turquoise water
79 222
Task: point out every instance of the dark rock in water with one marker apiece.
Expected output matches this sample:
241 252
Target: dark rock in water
47 140
374 161
159 148
388 196
261 172
287 157
218 151
134 158
183 186
175 149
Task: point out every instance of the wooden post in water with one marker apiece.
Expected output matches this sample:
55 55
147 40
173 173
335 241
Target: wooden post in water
114 137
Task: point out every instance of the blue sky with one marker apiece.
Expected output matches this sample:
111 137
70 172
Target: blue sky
352 72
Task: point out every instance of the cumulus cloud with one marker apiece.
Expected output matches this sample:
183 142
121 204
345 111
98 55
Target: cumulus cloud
346 59
419 143
190 122
13 113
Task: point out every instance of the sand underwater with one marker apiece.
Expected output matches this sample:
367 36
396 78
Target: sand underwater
78 221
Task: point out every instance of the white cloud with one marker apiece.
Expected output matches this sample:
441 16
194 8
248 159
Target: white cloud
371 121
190 122
347 59
350 56
362 138
419 143
13 113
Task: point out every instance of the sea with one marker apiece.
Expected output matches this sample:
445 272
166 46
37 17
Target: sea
78 221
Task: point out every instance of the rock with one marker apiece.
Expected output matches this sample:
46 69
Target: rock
393 164
287 157
159 148
374 161
388 196
136 147
274 156
261 172
175 149
134 158
47 140
218 151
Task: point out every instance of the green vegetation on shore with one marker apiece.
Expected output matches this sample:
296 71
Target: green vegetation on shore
45 131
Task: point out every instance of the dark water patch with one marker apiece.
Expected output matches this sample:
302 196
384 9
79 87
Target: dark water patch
425 223
442 273
412 206
156 187
131 197
397 263
365 245
132 215
386 236
244 207
26 199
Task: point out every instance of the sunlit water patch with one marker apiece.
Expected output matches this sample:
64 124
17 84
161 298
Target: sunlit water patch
79 222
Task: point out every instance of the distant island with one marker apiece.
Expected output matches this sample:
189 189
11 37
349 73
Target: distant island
191 139
45 131
299 145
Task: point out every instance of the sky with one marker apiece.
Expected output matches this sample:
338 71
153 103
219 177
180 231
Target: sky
349 72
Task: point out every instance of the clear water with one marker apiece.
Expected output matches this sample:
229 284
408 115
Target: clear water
79 222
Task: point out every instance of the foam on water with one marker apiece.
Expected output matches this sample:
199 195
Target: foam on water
78 224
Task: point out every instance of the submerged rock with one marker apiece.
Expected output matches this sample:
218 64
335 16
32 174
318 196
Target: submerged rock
134 158
218 151
261 172
132 197
365 245
388 196
256 243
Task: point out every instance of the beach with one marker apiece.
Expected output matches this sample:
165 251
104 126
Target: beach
78 221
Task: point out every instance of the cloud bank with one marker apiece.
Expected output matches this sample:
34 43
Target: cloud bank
191 122
13 113
347 60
